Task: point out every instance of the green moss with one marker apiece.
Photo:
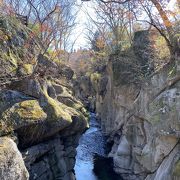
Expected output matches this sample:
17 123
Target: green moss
80 108
176 171
95 77
77 106
21 114
67 101
28 68
156 105
9 61
12 59
30 109
155 119
55 110
162 50
172 72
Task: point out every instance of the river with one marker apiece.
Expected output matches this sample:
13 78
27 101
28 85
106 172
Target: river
93 144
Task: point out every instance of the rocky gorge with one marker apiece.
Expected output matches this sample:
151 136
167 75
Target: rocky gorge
140 118
43 114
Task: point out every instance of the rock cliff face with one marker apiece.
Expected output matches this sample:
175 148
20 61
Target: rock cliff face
142 123
84 90
40 119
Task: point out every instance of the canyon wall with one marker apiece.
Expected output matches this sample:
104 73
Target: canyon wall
141 120
40 119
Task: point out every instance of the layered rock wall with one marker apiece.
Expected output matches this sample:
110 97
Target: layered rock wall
143 124
140 113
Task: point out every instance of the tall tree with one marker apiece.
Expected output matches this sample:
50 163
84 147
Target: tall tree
167 30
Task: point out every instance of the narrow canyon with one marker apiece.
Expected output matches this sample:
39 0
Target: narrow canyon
91 117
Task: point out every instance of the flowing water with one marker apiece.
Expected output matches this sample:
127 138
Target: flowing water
92 144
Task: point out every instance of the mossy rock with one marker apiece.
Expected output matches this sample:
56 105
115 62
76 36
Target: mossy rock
176 171
95 77
155 119
66 100
69 101
20 115
27 69
73 103
56 111
31 110
65 96
17 48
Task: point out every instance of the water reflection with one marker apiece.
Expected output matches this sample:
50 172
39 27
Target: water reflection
91 144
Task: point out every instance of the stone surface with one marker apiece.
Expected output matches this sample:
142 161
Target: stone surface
56 159
38 110
142 123
16 59
11 161
84 90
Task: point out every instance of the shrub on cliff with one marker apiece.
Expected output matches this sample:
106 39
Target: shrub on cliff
126 68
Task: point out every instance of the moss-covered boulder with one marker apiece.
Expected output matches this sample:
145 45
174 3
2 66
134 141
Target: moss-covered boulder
37 119
36 116
57 111
65 109
34 123
22 114
65 96
26 69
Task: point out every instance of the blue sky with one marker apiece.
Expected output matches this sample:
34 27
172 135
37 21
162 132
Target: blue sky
82 19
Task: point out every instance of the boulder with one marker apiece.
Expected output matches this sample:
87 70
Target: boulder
35 120
11 161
